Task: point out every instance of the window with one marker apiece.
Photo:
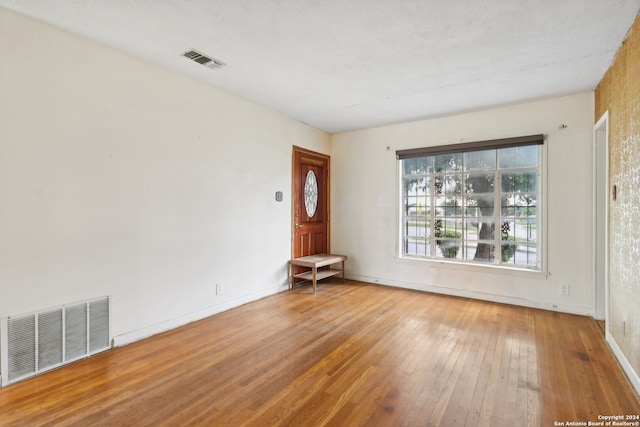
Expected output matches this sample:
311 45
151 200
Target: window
474 202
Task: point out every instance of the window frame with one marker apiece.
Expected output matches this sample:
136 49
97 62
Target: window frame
431 253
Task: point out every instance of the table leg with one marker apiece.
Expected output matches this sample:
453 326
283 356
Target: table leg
315 278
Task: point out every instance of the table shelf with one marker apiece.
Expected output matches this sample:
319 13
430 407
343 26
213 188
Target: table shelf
322 274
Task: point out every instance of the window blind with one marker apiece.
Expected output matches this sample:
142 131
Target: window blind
519 141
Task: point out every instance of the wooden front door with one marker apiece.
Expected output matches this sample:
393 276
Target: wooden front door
310 203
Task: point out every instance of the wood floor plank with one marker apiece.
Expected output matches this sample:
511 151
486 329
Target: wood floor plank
353 354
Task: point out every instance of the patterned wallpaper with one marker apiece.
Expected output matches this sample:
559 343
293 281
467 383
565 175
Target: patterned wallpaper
619 93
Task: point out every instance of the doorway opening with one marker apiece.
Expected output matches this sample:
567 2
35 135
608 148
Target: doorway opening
601 219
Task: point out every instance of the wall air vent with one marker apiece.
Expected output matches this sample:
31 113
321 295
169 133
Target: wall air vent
202 59
36 342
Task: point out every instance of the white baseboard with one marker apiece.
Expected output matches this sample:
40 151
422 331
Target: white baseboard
523 302
140 334
624 362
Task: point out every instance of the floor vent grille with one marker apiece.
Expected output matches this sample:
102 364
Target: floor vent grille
36 342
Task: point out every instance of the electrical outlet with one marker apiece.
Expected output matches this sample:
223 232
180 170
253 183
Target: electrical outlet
219 288
564 290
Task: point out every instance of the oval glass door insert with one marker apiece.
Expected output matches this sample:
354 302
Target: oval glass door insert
311 194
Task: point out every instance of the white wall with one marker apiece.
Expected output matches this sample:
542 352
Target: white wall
121 178
365 193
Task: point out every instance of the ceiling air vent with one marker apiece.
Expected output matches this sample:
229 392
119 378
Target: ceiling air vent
205 60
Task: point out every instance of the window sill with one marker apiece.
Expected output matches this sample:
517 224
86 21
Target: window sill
488 268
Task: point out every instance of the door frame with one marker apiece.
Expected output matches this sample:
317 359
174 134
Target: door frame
601 228
294 195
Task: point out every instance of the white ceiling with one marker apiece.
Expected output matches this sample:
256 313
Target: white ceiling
351 64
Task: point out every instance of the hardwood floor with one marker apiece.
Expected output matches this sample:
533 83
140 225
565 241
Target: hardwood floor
601 326
354 354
